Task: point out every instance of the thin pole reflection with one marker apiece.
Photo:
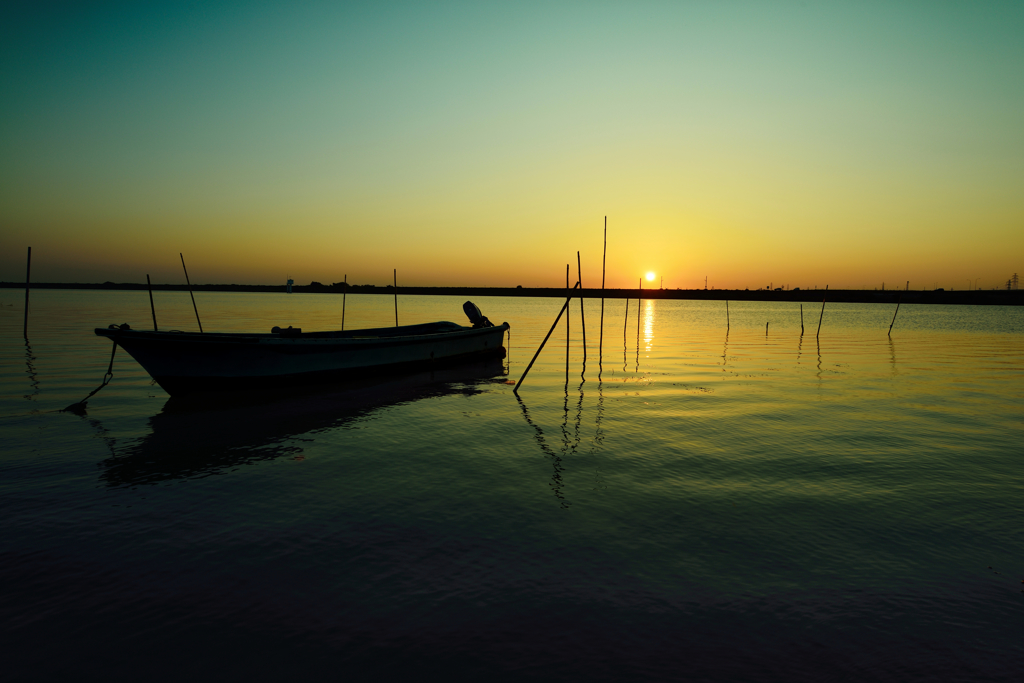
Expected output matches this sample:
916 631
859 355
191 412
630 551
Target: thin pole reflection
557 484
639 317
33 378
599 432
624 349
626 325
579 420
567 359
565 421
571 437
817 342
583 371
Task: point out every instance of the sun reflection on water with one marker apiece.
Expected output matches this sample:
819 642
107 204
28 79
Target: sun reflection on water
648 324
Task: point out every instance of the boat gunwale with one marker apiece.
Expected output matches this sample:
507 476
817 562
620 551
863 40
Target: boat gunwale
303 338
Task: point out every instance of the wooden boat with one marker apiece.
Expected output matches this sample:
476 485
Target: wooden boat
192 362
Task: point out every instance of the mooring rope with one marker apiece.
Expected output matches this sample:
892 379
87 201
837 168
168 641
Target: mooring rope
79 408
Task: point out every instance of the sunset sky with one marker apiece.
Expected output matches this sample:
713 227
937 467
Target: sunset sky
798 143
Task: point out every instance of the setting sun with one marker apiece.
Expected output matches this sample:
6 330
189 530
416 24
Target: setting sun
650 276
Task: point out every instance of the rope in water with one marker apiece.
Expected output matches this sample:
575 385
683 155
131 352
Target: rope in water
80 406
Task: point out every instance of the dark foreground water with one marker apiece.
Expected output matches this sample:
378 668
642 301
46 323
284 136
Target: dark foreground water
723 505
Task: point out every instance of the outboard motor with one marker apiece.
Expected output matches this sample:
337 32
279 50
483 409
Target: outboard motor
475 316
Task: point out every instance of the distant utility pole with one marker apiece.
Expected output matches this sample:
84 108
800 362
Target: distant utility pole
1015 281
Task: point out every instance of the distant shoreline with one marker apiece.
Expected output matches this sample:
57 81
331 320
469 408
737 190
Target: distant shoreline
984 297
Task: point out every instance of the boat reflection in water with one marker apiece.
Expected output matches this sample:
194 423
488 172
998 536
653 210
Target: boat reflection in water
197 436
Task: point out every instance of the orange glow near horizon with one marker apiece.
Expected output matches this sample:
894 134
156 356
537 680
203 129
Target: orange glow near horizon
791 161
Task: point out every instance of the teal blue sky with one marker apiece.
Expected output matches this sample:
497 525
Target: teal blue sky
469 143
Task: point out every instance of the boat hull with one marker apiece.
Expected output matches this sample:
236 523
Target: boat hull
185 363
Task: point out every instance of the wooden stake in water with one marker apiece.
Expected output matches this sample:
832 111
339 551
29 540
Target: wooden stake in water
152 308
344 292
639 310
625 324
567 296
190 293
515 390
822 311
583 318
28 282
604 254
801 320
766 329
727 314
894 314
396 296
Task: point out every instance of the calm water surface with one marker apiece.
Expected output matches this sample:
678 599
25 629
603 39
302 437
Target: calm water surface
703 503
